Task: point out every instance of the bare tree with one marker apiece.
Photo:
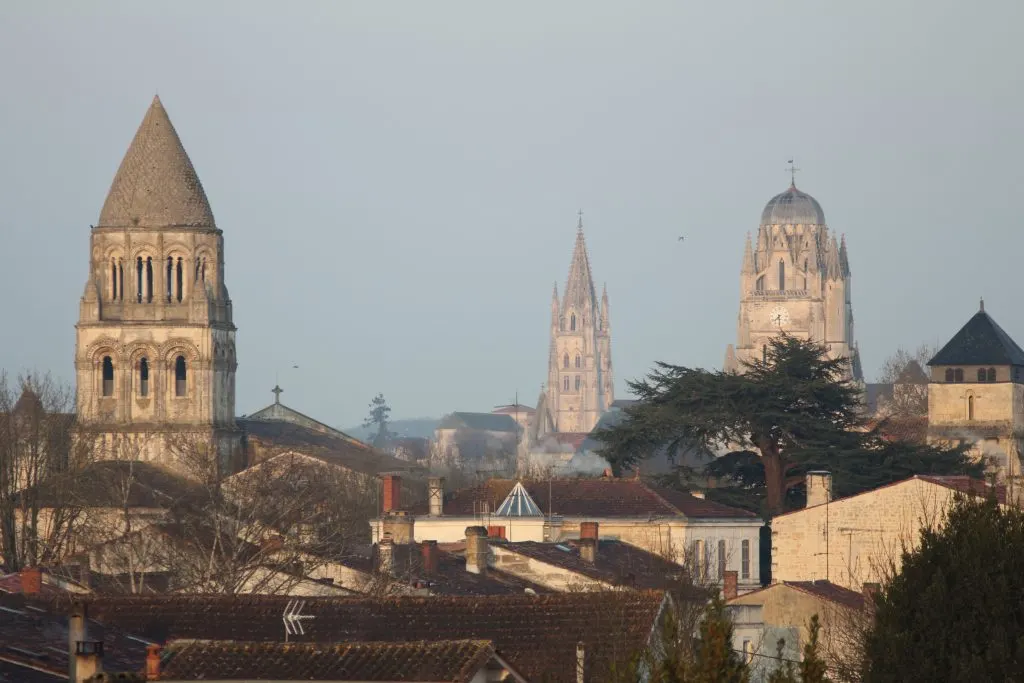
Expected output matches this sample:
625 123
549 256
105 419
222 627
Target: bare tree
906 372
38 516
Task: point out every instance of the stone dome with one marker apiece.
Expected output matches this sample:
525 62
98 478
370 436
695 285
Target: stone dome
793 207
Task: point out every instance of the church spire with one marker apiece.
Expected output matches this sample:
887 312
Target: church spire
748 258
579 286
156 185
833 269
844 261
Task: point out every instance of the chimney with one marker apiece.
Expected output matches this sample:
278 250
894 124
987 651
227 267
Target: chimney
399 527
88 659
730 584
581 663
819 488
76 635
435 492
429 549
588 541
477 549
697 494
31 580
153 662
589 530
386 555
392 492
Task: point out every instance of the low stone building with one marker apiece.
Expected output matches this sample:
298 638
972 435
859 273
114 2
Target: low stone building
855 540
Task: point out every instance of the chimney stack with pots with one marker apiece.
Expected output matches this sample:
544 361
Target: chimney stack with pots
429 550
392 493
386 556
477 549
399 527
31 580
589 537
76 635
435 493
153 662
730 584
88 658
819 488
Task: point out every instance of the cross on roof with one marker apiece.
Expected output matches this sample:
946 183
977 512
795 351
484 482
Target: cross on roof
277 390
792 172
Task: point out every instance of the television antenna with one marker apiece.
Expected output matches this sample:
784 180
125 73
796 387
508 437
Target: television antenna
293 617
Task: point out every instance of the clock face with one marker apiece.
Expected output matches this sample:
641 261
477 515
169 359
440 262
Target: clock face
779 316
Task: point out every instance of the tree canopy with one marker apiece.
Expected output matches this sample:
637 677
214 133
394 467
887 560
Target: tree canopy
378 418
788 412
955 609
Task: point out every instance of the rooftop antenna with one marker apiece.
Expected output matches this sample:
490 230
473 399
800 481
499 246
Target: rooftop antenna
792 173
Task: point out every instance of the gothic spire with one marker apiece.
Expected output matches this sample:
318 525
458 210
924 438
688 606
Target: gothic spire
554 308
833 269
748 258
844 261
579 287
156 185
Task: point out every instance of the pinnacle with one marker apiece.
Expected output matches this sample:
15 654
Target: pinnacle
156 185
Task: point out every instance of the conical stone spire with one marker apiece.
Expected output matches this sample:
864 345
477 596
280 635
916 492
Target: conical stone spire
748 257
579 288
156 185
844 260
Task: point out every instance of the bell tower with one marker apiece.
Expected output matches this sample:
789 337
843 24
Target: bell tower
155 342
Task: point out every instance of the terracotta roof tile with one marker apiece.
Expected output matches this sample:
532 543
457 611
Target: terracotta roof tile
447 660
106 483
827 590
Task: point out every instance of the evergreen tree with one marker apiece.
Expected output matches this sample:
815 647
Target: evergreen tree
791 411
955 610
377 421
710 658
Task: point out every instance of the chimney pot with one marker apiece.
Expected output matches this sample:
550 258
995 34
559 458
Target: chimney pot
392 492
819 488
31 580
730 584
435 491
477 549
153 662
429 550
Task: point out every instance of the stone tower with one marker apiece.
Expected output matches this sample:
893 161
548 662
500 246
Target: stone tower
580 387
155 348
794 279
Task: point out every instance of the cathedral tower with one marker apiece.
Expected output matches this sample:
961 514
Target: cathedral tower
155 347
795 279
580 387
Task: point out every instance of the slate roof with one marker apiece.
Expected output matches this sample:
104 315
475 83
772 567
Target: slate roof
116 483
156 185
447 660
598 498
346 452
980 342
616 563
485 422
536 634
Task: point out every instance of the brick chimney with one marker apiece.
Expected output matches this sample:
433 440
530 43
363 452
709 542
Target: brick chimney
730 584
589 530
435 495
88 658
589 538
31 580
386 555
429 549
153 662
819 488
477 549
392 492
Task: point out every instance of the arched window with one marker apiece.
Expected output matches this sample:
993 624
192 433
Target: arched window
991 374
981 374
179 376
577 382
958 375
143 377
949 374
120 280
181 278
108 376
113 279
565 361
579 361
782 275
565 383
572 322
759 287
170 278
970 407
138 279
149 279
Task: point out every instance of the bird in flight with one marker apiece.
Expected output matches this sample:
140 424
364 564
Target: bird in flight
681 239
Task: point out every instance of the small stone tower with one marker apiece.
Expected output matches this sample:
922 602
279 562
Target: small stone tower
795 279
155 351
580 387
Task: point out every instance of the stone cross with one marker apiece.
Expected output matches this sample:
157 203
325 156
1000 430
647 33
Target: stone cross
277 393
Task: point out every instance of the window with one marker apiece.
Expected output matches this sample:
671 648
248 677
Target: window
970 407
698 560
180 278
949 374
572 322
138 279
958 375
149 279
179 376
565 383
748 651
170 278
981 374
745 560
721 559
108 376
579 361
120 280
577 382
565 361
113 279
764 353
991 374
143 377
782 275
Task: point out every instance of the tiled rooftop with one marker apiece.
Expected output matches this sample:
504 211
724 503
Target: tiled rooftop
117 483
827 590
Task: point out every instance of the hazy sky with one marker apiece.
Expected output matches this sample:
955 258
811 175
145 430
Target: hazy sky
398 182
